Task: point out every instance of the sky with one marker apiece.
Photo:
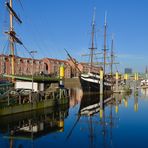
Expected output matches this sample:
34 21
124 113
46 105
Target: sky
49 26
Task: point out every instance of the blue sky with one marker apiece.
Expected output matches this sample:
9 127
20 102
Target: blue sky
49 26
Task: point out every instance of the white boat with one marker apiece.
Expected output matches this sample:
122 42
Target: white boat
144 82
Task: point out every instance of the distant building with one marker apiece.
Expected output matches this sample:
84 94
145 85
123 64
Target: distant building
128 70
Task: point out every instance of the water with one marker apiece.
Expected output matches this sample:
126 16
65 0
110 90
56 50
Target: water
124 124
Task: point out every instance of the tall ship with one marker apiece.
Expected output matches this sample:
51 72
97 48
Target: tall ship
90 81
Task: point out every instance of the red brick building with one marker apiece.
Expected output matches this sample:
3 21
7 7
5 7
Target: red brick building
25 66
52 66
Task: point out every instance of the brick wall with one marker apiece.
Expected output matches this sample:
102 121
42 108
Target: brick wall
25 66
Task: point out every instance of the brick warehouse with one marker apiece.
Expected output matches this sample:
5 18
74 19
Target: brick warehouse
25 66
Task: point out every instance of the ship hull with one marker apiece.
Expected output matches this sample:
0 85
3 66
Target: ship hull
92 84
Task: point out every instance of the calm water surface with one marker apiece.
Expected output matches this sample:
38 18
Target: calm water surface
124 123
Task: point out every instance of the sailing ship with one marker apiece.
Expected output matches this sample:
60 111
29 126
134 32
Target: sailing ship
91 81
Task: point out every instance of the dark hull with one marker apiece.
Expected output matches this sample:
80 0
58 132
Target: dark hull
92 87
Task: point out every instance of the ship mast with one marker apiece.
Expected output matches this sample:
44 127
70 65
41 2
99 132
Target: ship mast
12 34
11 40
105 30
112 55
92 41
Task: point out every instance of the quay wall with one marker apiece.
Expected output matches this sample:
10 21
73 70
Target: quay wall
30 106
72 83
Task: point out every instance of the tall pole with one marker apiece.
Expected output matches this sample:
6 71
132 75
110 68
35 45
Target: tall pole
11 41
32 69
105 29
146 72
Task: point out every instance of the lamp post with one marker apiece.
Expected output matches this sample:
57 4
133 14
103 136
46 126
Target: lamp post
32 56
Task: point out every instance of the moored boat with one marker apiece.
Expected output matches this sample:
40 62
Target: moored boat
91 82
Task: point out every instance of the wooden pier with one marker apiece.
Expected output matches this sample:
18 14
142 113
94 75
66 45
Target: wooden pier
33 101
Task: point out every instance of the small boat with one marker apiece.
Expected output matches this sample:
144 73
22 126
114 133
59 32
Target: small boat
144 83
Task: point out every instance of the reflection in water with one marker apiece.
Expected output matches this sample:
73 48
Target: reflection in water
75 96
33 125
89 122
100 113
144 92
89 109
90 103
135 103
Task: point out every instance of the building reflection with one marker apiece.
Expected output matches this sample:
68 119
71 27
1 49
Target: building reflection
75 96
33 125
